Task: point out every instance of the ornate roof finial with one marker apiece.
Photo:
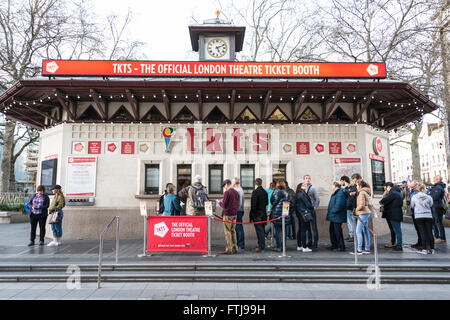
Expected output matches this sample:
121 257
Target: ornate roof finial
217 13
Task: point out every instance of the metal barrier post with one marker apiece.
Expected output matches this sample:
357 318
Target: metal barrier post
100 252
377 268
145 254
117 240
209 238
355 221
283 234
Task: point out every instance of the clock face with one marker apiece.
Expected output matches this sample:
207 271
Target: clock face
217 48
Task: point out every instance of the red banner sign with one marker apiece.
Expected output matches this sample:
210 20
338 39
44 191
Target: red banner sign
177 234
335 147
302 147
94 147
212 69
127 147
376 157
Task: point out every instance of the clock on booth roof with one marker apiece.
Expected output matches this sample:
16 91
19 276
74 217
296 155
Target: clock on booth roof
217 48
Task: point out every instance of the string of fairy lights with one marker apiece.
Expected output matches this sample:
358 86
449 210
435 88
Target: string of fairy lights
312 98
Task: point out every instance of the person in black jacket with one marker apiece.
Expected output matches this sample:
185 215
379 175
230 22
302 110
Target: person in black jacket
291 227
259 202
438 193
393 203
302 204
38 205
351 204
279 196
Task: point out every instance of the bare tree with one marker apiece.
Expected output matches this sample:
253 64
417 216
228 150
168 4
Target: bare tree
35 29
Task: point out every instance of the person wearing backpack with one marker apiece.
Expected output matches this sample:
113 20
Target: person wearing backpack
230 205
171 202
196 198
38 205
56 205
161 207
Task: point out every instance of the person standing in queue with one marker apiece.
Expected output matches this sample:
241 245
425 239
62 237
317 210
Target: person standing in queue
302 204
438 193
337 215
56 205
269 207
363 212
351 205
392 209
229 204
422 205
291 230
314 196
38 205
279 196
171 202
240 215
258 213
412 192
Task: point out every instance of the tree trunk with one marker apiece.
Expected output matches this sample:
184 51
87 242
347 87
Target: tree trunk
415 152
8 143
445 93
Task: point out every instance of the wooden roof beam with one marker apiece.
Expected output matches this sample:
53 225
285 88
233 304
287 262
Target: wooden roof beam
200 104
298 104
266 104
134 104
333 104
35 110
166 104
232 104
59 94
368 100
26 117
96 98
384 115
8 116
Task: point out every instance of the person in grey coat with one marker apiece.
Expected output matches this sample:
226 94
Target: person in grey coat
422 205
313 194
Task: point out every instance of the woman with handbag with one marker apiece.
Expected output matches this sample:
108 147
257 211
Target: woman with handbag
363 212
303 210
279 196
58 202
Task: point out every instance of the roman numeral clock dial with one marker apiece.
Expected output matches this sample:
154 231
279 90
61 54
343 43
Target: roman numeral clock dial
217 48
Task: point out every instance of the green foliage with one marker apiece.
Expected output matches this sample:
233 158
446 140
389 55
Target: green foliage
15 207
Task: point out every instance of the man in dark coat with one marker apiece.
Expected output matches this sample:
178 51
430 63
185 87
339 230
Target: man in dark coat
438 209
393 203
337 215
258 213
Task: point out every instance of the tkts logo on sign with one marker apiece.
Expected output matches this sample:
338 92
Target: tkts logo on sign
319 148
377 145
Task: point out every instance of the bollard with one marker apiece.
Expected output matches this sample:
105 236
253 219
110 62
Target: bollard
145 254
283 234
355 221
117 240
209 238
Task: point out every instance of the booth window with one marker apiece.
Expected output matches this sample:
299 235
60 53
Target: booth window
151 178
48 174
184 176
247 177
378 176
279 171
215 175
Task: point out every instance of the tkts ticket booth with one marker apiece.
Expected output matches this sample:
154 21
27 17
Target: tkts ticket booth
114 133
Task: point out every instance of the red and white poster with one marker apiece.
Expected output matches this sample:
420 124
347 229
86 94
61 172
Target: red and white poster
349 148
112 147
127 147
377 145
346 167
376 157
78 148
303 148
335 147
319 148
177 234
81 176
94 147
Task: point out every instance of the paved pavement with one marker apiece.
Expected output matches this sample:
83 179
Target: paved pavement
13 251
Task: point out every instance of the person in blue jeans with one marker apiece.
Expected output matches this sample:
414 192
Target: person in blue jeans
56 205
291 227
363 212
269 194
438 210
314 196
393 203
351 204
240 214
279 196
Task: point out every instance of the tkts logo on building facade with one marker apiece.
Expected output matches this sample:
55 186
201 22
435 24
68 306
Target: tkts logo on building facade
259 141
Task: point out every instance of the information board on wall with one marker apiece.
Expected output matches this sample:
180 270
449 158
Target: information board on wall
346 167
81 176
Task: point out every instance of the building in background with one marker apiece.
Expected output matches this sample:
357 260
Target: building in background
431 151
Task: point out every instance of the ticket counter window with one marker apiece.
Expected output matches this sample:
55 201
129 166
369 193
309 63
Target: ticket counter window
378 176
184 176
278 172
215 178
48 174
151 178
248 177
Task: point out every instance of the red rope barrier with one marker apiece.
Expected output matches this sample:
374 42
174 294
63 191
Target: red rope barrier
220 219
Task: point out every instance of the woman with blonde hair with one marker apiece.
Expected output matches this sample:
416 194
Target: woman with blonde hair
363 212
422 203
58 202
